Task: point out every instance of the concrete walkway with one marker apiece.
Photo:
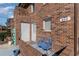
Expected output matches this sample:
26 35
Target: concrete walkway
7 50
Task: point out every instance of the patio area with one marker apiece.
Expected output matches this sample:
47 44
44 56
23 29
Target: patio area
8 50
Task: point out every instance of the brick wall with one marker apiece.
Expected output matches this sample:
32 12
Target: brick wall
77 27
62 32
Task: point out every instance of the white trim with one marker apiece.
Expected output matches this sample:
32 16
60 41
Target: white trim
44 3
33 32
44 25
47 30
32 8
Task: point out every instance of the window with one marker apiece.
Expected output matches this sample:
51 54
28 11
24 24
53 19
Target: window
32 8
47 24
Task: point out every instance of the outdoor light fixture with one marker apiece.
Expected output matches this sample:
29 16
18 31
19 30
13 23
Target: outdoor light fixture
65 18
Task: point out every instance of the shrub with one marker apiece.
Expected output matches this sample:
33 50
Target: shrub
3 35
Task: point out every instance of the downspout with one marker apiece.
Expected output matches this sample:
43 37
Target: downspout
75 29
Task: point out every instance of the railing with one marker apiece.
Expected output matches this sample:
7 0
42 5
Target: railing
59 52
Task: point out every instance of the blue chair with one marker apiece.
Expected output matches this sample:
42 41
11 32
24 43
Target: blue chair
45 44
16 52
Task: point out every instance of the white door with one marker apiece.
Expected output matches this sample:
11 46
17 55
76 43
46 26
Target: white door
25 32
33 32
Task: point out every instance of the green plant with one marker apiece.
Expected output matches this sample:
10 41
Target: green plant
3 36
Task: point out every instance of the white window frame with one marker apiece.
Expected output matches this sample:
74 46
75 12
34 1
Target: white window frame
32 8
25 32
44 25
